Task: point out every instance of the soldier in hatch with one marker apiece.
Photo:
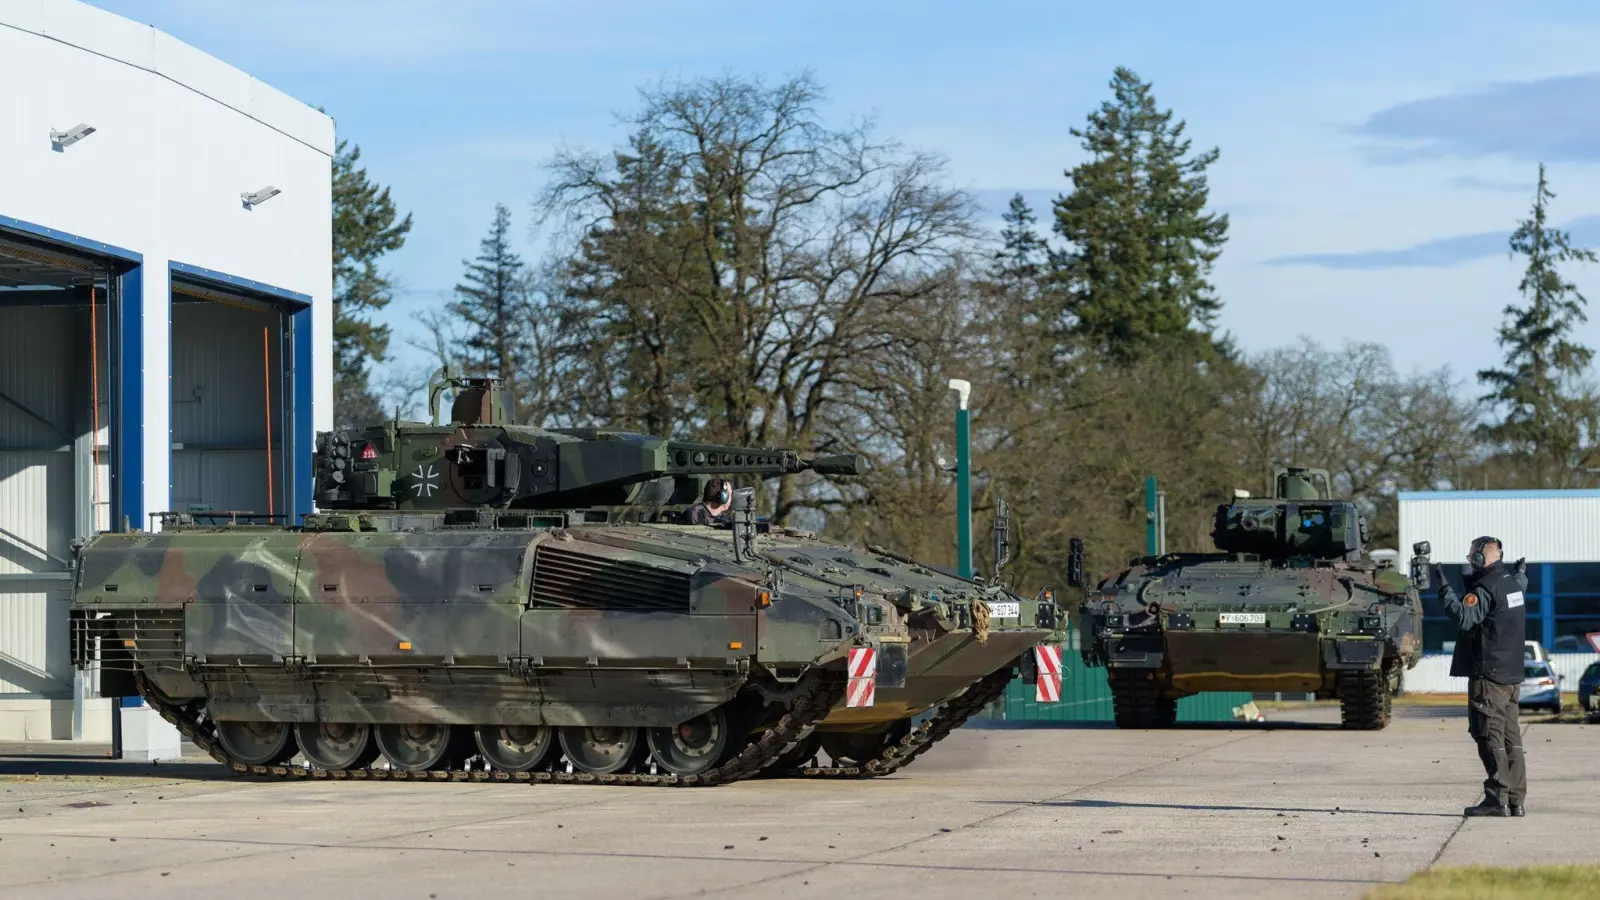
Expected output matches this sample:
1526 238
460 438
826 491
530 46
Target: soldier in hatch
713 504
1491 619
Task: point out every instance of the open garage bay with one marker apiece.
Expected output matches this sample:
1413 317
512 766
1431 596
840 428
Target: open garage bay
1288 808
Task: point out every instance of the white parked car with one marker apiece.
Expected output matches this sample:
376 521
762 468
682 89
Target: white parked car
1541 687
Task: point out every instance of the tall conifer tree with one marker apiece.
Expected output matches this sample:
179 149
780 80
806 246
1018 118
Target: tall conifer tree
365 227
1548 414
1140 243
492 306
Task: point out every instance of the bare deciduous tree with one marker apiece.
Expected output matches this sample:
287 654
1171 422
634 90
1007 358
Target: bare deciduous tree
739 256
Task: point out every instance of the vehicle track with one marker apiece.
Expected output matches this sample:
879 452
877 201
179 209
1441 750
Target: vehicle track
811 705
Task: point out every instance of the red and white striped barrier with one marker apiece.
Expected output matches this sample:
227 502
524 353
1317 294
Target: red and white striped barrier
863 669
1047 659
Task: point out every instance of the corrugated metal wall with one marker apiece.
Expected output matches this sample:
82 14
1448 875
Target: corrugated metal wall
38 355
219 428
1544 526
1086 697
1432 674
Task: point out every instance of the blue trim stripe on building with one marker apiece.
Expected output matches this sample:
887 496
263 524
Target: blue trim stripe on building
304 424
244 284
73 241
1497 495
129 434
1547 607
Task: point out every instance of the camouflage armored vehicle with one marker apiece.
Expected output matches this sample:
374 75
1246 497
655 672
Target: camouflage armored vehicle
484 600
1290 603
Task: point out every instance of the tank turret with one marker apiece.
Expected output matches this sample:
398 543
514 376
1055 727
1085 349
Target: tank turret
1301 520
479 458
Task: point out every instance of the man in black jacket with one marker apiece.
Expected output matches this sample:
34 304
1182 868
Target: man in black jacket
1491 619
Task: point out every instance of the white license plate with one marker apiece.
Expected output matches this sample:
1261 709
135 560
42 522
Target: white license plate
1005 610
1243 618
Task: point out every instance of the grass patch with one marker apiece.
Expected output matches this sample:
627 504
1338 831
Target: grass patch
1570 715
1487 883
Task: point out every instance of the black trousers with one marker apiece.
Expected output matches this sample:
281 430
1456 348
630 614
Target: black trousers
1492 722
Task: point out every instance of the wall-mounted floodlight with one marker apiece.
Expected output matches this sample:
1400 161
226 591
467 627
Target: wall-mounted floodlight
61 140
261 196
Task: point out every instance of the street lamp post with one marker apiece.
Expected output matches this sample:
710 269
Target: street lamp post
1150 515
1155 518
963 389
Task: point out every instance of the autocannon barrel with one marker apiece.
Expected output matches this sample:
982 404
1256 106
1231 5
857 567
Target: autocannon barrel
406 466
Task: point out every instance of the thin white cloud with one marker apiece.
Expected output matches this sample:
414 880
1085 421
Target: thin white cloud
1540 120
1481 183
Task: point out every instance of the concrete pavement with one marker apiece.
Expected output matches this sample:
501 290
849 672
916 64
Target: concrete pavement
1292 808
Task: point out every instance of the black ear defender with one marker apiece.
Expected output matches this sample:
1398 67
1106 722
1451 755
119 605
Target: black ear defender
1476 557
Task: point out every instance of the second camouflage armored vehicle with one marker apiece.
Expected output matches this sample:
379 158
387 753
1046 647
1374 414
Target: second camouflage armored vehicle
484 600
1290 603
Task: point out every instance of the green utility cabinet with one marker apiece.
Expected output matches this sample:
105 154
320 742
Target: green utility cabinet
1086 697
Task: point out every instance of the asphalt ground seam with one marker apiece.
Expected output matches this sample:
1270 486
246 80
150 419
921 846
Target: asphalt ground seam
859 859
1525 728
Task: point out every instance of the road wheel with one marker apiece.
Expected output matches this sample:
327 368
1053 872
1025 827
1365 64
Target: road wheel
257 743
420 746
696 746
602 749
336 745
516 748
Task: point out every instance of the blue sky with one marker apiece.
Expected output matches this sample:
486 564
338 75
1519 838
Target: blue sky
1374 155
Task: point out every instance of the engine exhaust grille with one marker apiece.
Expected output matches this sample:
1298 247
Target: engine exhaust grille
565 579
153 637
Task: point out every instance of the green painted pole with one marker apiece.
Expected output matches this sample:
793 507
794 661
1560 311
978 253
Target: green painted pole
963 477
1150 546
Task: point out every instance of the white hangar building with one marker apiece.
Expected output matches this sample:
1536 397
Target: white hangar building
165 312
1557 532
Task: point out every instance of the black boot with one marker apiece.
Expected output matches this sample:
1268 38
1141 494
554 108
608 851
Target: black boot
1516 809
1488 806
